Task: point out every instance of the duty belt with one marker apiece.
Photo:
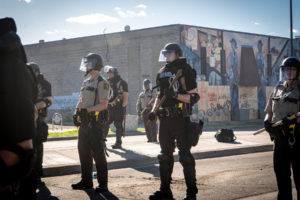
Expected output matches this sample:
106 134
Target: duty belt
170 112
98 117
116 101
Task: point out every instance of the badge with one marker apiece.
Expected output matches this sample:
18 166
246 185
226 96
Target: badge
106 86
278 93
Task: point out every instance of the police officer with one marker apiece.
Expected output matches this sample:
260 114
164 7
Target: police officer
143 106
117 104
17 113
285 101
174 117
91 115
43 101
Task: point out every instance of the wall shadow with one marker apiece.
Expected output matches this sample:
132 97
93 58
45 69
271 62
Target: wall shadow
44 192
140 162
100 196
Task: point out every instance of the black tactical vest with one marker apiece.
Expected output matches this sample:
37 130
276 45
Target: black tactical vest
115 83
166 75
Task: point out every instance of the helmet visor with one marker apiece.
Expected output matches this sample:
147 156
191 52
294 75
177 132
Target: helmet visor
87 64
147 85
108 68
287 73
163 55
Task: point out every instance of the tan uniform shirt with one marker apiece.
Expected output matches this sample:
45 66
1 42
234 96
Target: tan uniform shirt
283 101
88 91
143 99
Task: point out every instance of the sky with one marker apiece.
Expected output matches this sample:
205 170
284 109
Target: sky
52 20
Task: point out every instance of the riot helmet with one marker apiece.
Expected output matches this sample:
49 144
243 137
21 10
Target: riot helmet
111 69
147 84
289 69
169 48
35 67
91 61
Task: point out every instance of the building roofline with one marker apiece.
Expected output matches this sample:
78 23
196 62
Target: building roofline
155 27
218 29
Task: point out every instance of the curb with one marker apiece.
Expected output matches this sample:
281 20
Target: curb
109 135
71 169
210 128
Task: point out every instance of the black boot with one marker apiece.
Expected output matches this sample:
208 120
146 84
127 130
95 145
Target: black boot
116 146
161 195
189 171
102 180
82 185
101 189
190 197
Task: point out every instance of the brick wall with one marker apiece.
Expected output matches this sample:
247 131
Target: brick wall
135 53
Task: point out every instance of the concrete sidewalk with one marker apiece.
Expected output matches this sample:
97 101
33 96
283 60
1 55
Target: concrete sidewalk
61 157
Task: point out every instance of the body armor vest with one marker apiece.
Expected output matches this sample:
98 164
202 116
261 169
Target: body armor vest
164 78
285 101
116 90
88 92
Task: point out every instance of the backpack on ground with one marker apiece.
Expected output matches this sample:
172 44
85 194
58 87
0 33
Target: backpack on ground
225 135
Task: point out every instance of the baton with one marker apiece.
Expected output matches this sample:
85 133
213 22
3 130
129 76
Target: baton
148 104
278 123
178 74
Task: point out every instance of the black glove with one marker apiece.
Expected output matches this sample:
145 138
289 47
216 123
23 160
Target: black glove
151 116
83 112
271 130
170 93
286 123
75 121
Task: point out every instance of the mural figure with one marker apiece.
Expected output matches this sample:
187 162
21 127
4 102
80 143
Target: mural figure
203 48
233 77
261 63
215 76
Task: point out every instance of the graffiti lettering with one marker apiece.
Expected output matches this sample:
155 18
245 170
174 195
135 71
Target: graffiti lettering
212 97
216 110
201 94
245 105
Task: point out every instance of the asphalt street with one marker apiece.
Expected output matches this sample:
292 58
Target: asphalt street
246 176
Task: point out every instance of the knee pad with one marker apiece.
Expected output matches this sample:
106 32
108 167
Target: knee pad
165 158
186 158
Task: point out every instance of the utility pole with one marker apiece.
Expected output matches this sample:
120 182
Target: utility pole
291 27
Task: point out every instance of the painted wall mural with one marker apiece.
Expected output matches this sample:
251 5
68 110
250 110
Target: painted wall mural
246 65
65 102
278 49
238 60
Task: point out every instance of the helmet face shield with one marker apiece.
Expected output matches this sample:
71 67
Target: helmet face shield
288 73
147 84
163 55
108 69
289 69
111 71
87 64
